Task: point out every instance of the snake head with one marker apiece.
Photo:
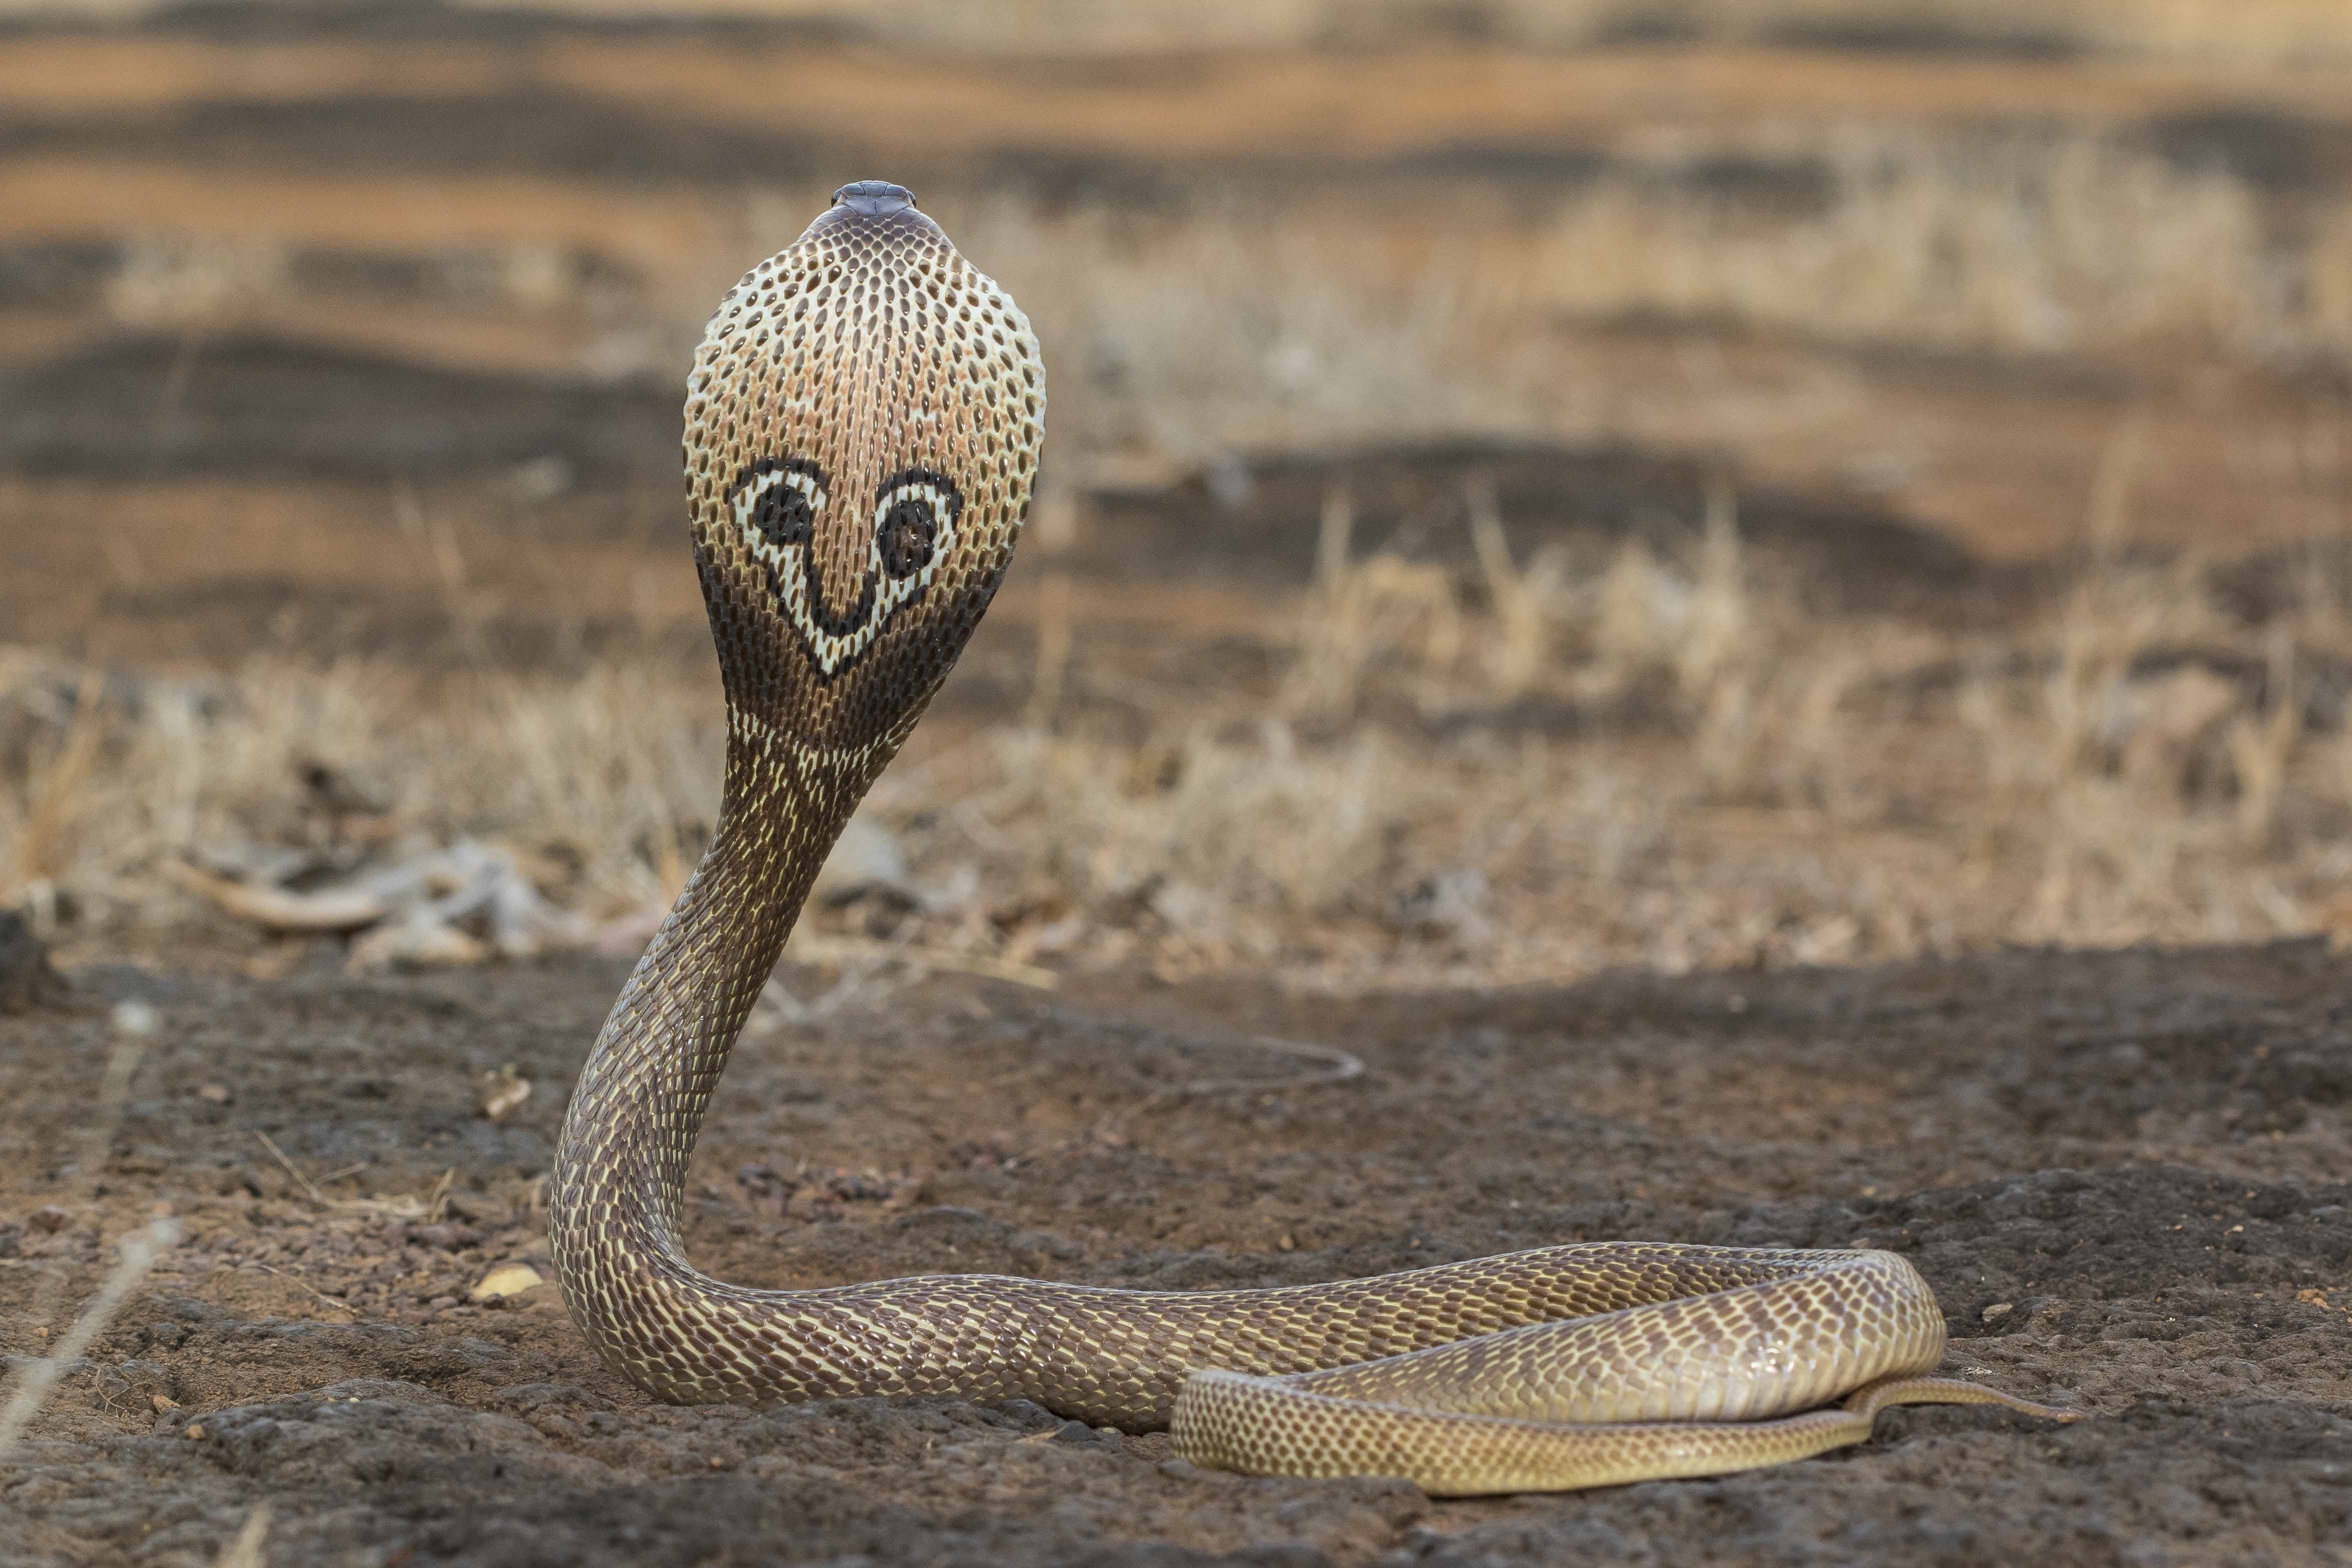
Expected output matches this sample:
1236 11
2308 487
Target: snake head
862 427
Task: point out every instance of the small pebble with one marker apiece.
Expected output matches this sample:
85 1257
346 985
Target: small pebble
1998 1311
507 1279
449 1236
137 1020
1179 1469
216 1094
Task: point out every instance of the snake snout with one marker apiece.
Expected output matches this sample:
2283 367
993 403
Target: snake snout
875 198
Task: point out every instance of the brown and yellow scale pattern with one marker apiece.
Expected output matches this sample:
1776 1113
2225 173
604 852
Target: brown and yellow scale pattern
862 432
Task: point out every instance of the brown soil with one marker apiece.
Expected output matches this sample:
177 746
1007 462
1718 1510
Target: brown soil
2119 1172
2123 1173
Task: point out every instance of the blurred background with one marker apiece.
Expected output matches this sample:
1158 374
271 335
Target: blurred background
1533 486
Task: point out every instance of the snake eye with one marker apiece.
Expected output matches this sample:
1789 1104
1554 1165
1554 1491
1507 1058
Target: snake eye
782 516
911 531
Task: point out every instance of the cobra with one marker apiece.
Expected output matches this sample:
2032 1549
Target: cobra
862 429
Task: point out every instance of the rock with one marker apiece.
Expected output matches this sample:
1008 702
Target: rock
1186 907
1453 903
447 1235
503 1094
1027 1412
1083 1435
866 858
27 979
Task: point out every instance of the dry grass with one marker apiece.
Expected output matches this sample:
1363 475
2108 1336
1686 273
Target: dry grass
1179 339
1746 783
1722 779
2018 243
1229 326
605 782
2261 31
38 1376
1230 323
1537 766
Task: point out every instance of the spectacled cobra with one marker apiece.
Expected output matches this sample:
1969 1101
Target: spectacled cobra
861 429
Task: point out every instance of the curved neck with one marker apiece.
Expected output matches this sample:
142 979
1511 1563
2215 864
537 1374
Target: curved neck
639 1104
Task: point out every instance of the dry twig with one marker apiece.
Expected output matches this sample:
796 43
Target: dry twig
140 1251
300 1284
244 1550
1338 1067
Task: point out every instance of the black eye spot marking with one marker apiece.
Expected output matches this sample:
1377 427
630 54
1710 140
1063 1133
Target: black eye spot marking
917 507
777 500
908 531
776 504
784 515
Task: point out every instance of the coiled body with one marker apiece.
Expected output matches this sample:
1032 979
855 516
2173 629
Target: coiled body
863 424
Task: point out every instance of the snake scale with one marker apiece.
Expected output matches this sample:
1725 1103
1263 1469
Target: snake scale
861 429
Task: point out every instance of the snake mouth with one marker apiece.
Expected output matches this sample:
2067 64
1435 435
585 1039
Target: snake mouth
776 501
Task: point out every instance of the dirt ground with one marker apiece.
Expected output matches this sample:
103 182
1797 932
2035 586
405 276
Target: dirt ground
2119 1172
